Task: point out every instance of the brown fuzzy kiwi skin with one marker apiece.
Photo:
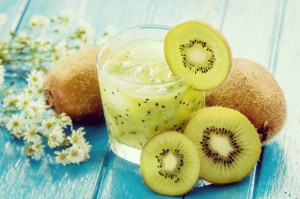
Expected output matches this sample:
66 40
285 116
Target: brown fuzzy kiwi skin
252 90
72 87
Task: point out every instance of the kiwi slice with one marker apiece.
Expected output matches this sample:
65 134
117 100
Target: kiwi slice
199 53
170 164
227 142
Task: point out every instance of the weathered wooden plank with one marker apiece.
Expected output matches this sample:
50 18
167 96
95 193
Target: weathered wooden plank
100 13
14 10
249 28
279 176
21 177
253 30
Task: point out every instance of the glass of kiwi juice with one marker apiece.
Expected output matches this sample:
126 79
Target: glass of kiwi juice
140 95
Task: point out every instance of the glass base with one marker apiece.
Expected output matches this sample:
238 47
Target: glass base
133 155
126 152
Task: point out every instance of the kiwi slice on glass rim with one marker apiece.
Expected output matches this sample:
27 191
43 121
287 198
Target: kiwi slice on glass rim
227 142
170 164
199 53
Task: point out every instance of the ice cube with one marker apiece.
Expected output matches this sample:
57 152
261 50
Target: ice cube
147 51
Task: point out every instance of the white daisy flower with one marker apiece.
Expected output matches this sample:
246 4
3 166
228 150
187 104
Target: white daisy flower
66 15
44 43
75 154
39 92
23 38
77 137
10 100
3 43
85 31
62 157
2 73
56 137
36 107
36 78
31 133
36 150
64 120
23 101
39 21
86 147
48 125
30 90
17 134
60 49
15 123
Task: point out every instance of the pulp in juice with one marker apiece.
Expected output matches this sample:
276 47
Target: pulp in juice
140 95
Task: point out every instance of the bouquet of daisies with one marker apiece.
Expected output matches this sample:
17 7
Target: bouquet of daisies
23 112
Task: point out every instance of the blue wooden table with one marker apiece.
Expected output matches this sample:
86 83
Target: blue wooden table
265 31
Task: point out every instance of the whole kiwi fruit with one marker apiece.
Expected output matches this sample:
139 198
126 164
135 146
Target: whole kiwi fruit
252 90
72 87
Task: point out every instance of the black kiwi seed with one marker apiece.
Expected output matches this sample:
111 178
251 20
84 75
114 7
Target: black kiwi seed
180 163
171 159
203 68
214 155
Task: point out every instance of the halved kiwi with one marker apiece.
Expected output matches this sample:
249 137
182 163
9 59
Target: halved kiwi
199 53
227 142
170 164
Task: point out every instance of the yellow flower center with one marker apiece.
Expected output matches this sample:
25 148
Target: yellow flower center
34 78
48 125
25 102
62 156
15 123
53 138
11 102
74 153
31 132
75 139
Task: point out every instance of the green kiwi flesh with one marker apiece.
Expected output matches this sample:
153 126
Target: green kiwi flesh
199 53
170 164
227 142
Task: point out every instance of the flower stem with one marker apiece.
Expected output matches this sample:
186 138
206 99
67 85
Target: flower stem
5 112
8 86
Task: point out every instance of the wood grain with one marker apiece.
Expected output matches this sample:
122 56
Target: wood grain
266 32
14 10
280 169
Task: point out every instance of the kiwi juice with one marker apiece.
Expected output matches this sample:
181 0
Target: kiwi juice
141 97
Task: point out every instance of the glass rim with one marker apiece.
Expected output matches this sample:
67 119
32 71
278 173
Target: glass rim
128 30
